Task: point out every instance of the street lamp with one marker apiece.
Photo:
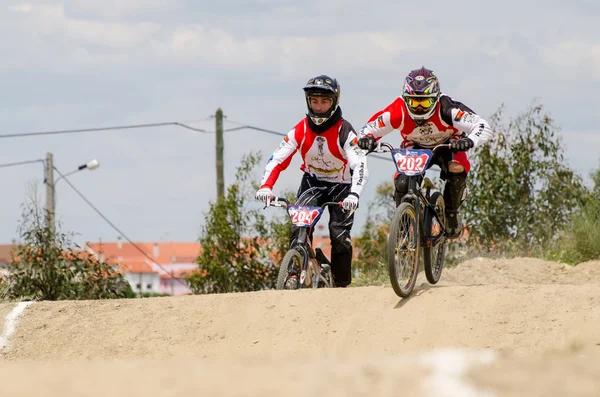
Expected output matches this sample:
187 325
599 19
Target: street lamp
90 165
51 183
49 180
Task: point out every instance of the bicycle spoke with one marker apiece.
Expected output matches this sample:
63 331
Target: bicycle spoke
405 250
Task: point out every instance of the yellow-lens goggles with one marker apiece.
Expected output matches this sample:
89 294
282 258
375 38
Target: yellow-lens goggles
414 102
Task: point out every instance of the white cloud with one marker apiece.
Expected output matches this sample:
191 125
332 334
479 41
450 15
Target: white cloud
70 41
47 36
287 55
51 19
118 8
575 56
24 8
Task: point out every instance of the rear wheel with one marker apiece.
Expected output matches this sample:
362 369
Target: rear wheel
433 255
289 270
403 250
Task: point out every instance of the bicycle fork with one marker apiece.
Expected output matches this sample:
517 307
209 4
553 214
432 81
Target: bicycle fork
414 198
309 275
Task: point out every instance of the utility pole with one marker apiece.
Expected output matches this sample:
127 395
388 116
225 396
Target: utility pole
219 133
50 194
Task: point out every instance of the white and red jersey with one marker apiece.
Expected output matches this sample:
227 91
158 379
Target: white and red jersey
450 120
331 156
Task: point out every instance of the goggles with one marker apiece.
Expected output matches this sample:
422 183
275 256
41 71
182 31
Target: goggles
424 102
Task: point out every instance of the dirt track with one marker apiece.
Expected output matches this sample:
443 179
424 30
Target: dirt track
530 328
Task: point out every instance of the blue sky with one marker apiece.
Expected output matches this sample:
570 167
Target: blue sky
92 63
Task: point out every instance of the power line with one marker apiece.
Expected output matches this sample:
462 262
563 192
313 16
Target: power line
162 124
250 127
115 227
120 127
21 163
150 125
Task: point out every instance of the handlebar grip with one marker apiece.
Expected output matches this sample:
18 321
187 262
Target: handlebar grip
278 199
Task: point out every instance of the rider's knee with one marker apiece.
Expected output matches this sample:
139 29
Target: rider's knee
340 241
455 167
401 184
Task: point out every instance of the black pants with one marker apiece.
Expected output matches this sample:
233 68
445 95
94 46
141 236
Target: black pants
314 192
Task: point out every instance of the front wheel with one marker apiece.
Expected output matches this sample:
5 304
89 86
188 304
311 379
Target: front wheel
403 250
289 270
433 255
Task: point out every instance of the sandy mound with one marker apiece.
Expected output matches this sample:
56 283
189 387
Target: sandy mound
521 318
587 272
437 373
5 308
562 373
483 271
534 316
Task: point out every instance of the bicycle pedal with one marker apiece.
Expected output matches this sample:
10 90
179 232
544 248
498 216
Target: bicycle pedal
326 267
320 256
428 184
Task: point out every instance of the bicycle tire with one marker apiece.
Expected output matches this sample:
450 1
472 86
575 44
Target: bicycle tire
285 265
433 256
400 234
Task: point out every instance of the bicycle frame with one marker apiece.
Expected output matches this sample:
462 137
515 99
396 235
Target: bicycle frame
309 216
415 195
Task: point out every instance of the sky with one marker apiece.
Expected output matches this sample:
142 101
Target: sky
79 64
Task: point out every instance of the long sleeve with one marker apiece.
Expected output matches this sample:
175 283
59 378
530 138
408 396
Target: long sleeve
281 158
357 161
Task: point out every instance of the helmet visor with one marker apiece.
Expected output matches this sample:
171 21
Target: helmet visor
419 105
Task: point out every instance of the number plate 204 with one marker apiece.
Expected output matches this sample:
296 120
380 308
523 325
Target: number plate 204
304 216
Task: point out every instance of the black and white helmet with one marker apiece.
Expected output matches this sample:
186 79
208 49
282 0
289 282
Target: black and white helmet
323 86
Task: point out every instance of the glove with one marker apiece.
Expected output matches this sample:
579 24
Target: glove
350 203
263 195
462 145
368 143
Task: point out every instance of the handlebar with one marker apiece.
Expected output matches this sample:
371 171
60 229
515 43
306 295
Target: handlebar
276 201
390 148
332 203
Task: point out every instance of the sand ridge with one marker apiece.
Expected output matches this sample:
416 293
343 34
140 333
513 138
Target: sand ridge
537 319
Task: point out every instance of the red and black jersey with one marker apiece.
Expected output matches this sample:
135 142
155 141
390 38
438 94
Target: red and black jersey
451 120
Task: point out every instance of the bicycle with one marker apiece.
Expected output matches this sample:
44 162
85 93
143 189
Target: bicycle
301 265
419 222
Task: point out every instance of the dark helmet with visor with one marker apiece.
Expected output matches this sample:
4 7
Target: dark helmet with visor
322 86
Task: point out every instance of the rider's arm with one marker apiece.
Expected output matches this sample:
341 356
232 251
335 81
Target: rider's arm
282 157
384 121
357 160
465 120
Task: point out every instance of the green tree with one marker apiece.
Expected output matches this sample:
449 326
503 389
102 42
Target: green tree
278 229
596 189
47 265
521 195
521 192
240 248
372 242
579 241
